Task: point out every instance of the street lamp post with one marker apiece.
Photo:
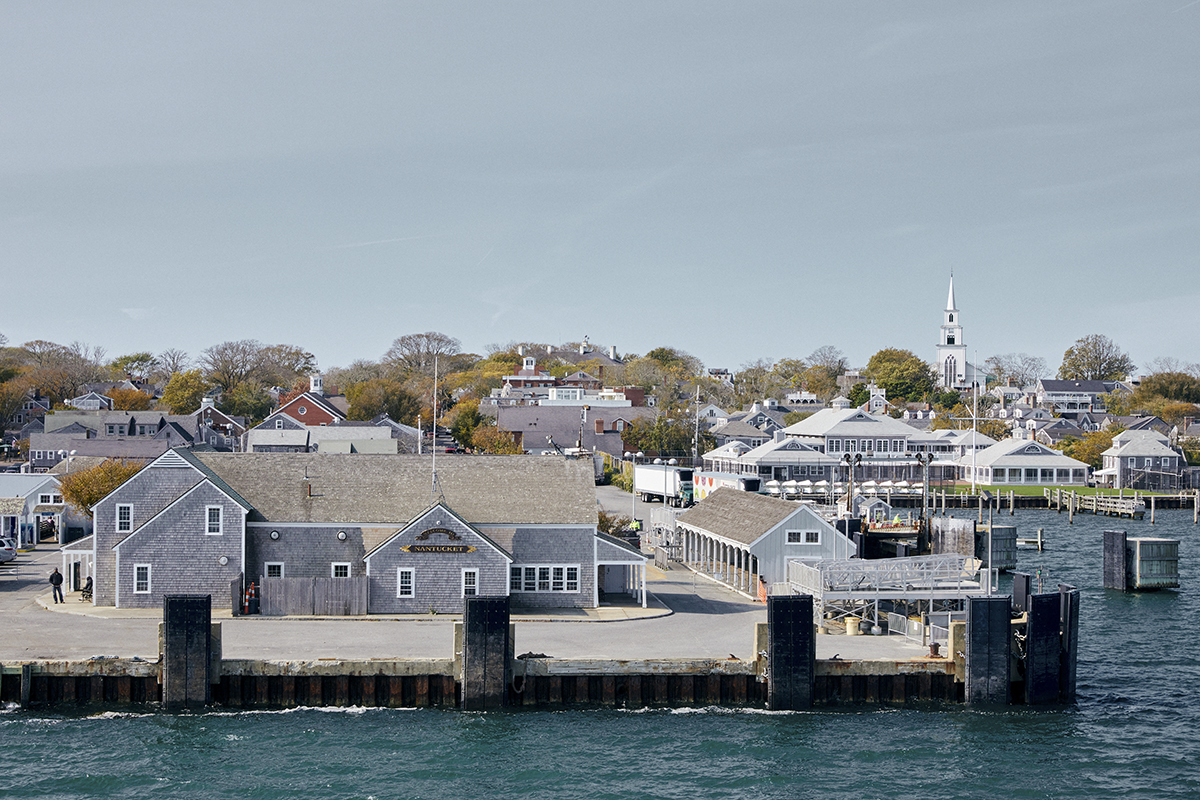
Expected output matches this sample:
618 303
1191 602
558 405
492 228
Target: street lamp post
633 457
851 462
924 459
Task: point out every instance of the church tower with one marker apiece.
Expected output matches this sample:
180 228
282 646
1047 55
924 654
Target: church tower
951 351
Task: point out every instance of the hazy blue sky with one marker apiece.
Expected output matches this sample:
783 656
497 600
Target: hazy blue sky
739 180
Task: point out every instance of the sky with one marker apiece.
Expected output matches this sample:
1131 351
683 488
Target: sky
736 180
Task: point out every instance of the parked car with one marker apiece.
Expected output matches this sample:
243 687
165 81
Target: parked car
8 550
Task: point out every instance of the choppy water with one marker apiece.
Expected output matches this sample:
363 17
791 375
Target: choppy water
1135 731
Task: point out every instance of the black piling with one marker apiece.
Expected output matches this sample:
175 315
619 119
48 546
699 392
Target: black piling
187 649
988 651
791 652
1043 649
1068 615
1022 588
486 653
1115 568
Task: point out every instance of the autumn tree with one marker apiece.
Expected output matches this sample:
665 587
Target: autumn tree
790 372
283 364
756 380
1022 368
416 352
1095 358
248 399
359 371
488 439
680 363
130 400
464 420
371 398
230 363
1091 447
825 365
1172 386
184 391
12 399
137 365
664 436
901 374
172 360
84 488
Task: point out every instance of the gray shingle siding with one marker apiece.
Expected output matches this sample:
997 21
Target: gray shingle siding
437 577
148 492
182 555
305 551
556 546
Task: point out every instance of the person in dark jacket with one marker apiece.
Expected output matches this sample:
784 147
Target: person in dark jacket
56 582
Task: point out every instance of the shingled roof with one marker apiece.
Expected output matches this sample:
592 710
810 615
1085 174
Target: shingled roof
738 516
367 488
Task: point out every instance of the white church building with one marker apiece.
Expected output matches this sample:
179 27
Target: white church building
954 370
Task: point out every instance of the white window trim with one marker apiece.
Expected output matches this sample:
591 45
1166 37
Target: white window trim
267 568
537 578
803 535
220 531
117 519
475 572
412 582
335 564
136 590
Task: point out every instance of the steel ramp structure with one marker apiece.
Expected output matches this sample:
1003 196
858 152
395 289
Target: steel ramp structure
912 585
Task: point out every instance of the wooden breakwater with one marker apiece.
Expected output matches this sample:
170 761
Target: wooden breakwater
785 674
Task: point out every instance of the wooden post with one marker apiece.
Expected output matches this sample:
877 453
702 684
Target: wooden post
1070 511
1114 560
1012 503
26 684
1151 509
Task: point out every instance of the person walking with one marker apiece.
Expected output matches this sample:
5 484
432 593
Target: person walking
56 579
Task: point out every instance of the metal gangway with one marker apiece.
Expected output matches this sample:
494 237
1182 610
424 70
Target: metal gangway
663 532
869 589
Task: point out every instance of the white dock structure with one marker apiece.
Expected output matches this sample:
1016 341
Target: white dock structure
855 588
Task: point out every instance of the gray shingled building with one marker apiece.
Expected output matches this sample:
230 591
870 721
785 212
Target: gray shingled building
522 526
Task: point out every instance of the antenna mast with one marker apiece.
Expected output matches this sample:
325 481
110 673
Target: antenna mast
435 490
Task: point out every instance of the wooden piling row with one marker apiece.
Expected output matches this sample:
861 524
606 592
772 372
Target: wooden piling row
30 688
639 691
385 691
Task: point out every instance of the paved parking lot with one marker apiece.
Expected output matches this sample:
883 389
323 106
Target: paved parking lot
693 618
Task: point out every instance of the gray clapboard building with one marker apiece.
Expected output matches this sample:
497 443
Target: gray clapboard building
522 526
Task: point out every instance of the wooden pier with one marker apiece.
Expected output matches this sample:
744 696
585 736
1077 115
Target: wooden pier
1100 504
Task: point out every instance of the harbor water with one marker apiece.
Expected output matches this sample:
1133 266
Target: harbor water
1135 731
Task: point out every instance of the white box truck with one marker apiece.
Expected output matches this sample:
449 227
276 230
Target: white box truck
670 484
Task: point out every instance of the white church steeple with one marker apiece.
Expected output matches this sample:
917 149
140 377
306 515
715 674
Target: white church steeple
952 352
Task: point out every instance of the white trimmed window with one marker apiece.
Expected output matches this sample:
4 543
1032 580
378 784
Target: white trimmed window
470 582
212 515
544 578
141 579
278 424
274 569
405 585
803 537
124 518
340 570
